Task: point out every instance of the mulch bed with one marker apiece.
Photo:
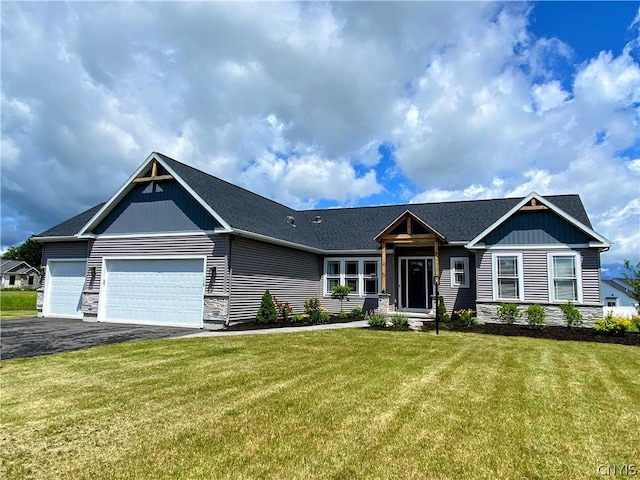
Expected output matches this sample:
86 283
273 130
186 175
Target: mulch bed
551 332
253 325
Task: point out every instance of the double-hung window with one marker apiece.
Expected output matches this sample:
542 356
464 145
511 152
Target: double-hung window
361 274
564 277
332 274
459 272
507 277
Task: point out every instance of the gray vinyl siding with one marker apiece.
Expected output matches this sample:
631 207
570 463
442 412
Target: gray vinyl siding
157 207
536 228
214 247
291 275
590 276
61 250
456 297
535 270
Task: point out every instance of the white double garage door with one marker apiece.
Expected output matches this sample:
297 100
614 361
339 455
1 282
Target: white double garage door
165 291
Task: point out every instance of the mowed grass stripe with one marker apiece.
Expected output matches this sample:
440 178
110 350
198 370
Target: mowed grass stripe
333 404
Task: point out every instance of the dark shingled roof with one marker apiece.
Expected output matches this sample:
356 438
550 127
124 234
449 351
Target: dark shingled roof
340 228
72 226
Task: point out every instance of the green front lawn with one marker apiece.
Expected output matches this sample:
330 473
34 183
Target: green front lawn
17 303
327 404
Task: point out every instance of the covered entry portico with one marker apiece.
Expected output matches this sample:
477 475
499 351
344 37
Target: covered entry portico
415 265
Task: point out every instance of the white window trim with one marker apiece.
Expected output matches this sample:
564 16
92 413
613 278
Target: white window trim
452 265
578 264
494 275
361 275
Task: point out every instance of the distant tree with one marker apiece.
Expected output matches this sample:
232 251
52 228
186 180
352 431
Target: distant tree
632 275
30 252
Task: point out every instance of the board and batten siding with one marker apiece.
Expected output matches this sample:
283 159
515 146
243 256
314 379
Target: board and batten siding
214 247
536 274
456 297
61 250
291 275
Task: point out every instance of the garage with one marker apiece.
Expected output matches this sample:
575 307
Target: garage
65 281
153 291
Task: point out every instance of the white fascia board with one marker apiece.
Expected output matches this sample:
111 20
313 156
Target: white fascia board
603 241
276 241
128 185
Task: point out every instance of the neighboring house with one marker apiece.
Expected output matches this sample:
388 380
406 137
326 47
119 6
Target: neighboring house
18 274
177 246
617 293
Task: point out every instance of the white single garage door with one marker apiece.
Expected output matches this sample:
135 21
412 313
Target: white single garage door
64 284
154 292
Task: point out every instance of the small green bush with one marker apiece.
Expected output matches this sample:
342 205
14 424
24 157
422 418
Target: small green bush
572 315
442 310
466 317
314 310
319 316
311 305
508 313
635 323
536 316
357 313
267 312
343 315
299 317
398 320
377 320
613 325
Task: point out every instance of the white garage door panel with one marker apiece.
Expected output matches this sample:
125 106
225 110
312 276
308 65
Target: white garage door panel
66 281
155 291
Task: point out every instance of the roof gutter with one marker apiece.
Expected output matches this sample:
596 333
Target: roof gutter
59 238
275 241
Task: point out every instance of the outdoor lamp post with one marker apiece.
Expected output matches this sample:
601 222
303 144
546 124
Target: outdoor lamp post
436 281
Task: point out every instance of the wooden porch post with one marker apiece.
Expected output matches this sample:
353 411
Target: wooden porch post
384 268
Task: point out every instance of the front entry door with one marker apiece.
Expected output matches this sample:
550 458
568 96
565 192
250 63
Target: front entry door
416 280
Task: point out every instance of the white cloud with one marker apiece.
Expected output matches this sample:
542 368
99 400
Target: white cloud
293 99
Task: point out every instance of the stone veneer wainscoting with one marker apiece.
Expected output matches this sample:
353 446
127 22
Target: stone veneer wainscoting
590 313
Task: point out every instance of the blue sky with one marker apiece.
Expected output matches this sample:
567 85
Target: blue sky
325 104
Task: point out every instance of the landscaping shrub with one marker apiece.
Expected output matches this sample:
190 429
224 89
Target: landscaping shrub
357 313
635 323
442 310
312 304
398 320
613 325
314 310
508 313
572 315
267 312
341 292
377 320
319 316
536 316
343 315
283 309
466 317
299 318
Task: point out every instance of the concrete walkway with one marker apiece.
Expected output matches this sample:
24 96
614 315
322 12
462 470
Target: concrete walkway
325 326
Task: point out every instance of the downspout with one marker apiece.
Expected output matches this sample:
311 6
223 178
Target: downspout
229 281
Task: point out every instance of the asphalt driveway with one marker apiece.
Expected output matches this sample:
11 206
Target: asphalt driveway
29 337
